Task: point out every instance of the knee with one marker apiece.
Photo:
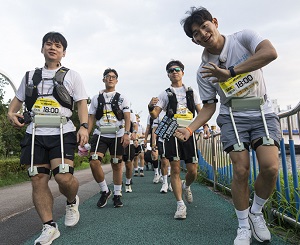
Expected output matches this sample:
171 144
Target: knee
175 170
241 174
64 179
95 163
269 171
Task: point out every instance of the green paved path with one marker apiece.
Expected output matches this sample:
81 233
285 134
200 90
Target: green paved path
147 218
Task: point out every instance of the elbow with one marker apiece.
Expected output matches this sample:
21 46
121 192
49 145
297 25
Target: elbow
273 55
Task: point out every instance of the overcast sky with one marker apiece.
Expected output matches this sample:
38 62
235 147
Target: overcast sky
138 39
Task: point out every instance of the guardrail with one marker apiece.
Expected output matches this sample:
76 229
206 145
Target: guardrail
217 166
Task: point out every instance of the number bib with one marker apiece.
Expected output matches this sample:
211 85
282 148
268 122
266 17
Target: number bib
46 106
108 118
239 85
184 113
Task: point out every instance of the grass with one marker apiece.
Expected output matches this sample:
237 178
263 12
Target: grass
13 178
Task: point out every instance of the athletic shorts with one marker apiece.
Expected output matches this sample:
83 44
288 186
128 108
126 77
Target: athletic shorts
138 150
47 147
249 128
126 154
186 150
161 151
107 143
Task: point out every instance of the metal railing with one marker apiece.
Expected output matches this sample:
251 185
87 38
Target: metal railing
217 168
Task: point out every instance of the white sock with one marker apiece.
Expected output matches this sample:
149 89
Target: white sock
128 181
243 218
180 203
117 190
169 170
257 204
136 169
155 171
165 179
103 186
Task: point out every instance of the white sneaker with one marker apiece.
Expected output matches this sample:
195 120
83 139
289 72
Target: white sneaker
72 213
181 212
49 233
161 179
170 187
258 226
164 188
156 179
128 188
243 237
187 193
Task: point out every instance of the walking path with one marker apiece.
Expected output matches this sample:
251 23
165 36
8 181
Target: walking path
147 218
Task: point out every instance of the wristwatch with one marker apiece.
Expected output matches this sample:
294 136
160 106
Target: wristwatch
85 125
127 132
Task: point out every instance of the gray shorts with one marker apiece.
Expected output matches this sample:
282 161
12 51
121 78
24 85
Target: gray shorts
249 128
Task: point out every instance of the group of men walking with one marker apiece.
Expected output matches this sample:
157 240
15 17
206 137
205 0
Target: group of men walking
231 68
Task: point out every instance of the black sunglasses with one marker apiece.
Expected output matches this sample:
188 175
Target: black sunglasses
177 69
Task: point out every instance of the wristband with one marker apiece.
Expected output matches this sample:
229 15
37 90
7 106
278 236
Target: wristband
191 132
232 72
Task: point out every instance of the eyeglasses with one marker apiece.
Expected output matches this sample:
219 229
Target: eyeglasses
110 77
177 69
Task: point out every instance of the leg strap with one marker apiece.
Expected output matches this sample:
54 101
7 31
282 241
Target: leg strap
95 157
60 170
38 170
236 147
115 160
265 141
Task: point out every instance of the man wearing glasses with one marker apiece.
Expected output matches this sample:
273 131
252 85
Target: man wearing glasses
110 111
179 102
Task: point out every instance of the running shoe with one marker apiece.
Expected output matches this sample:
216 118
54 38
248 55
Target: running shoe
128 188
259 228
181 212
103 198
243 236
156 179
117 201
164 188
72 213
187 193
49 233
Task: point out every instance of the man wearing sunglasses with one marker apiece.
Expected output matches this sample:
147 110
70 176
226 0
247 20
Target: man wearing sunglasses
180 102
239 81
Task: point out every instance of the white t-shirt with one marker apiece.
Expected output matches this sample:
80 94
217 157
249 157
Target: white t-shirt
109 118
182 110
238 47
74 86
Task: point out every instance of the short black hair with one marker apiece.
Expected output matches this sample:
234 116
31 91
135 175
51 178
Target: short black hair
108 70
196 16
55 37
175 63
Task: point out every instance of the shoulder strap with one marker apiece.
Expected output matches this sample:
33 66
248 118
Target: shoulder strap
60 74
37 76
172 104
115 107
190 100
99 110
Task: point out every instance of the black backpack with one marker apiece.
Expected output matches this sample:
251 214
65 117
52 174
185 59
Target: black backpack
60 92
114 106
172 105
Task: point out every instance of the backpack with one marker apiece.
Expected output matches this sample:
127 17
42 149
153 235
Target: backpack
172 105
114 106
60 92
